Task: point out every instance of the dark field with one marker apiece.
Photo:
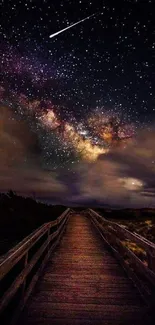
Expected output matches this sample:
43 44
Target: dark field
20 216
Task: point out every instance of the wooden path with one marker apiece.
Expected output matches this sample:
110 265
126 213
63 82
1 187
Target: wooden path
83 284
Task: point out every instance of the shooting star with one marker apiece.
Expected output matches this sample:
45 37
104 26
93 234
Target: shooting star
61 31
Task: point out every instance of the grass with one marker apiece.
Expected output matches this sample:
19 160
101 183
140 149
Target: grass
143 227
140 221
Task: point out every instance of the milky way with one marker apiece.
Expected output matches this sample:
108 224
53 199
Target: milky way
25 85
84 94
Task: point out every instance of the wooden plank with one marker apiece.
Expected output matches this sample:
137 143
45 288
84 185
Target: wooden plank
104 298
67 308
83 283
87 277
79 321
83 287
42 307
84 311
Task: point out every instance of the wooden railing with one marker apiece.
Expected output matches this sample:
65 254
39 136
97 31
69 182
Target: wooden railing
22 265
136 253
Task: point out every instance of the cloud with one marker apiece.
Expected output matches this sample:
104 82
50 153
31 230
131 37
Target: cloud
33 181
121 177
16 139
20 167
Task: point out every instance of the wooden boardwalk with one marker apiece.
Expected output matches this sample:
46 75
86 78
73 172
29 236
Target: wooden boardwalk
83 284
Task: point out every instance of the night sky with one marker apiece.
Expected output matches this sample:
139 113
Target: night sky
77 110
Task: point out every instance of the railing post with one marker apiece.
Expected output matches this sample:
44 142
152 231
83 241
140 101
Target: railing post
57 226
151 260
48 238
25 264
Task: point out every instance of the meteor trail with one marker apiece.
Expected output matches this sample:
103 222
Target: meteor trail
61 31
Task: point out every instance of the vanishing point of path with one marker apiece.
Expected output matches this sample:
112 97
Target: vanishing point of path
83 284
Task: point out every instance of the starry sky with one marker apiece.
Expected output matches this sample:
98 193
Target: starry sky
77 111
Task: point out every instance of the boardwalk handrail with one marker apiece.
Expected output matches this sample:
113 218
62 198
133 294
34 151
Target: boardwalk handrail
119 239
27 259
